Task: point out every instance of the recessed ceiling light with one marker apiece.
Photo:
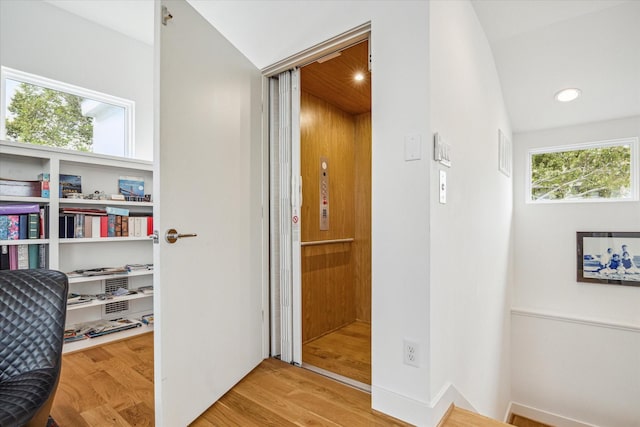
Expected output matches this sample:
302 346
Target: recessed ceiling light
567 95
359 77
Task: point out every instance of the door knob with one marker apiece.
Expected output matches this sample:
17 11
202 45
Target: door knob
172 235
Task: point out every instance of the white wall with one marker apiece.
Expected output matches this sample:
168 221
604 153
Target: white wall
557 367
471 235
402 194
41 39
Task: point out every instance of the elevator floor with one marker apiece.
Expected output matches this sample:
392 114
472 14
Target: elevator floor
345 351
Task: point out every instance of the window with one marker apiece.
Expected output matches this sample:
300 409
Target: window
41 111
599 171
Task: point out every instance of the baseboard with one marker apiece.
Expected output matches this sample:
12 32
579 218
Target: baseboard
543 416
418 413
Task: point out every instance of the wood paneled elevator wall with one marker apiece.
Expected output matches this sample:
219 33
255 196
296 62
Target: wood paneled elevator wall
336 277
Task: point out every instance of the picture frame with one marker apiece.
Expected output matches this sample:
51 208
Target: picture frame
608 257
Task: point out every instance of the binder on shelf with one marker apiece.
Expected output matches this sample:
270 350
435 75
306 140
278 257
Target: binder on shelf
78 226
34 226
23 257
13 227
4 227
95 226
104 226
4 257
111 225
44 222
34 258
43 256
23 227
13 257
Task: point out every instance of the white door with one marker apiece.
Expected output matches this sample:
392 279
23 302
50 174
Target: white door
208 296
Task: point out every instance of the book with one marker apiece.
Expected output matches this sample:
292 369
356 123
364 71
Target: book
23 227
85 211
13 227
78 228
44 179
117 211
43 255
147 319
104 226
95 226
23 257
118 226
19 209
131 227
88 225
4 257
34 259
4 227
125 226
34 225
66 228
13 257
44 222
131 186
70 184
149 226
111 225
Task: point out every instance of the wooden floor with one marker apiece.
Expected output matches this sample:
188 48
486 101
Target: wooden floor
279 394
520 421
346 352
459 417
112 385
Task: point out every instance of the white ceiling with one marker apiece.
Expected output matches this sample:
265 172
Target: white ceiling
540 46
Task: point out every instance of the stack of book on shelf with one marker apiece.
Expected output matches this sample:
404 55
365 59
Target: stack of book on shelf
108 222
99 328
75 299
23 222
100 271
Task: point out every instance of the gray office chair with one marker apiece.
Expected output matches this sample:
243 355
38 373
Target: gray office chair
33 307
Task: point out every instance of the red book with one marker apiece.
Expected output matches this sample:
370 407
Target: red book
149 225
104 226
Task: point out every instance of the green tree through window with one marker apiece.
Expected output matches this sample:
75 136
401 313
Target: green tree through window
48 117
588 173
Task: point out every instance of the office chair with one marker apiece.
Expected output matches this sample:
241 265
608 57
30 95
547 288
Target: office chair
33 306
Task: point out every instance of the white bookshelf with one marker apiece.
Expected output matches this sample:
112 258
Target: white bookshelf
116 336
98 173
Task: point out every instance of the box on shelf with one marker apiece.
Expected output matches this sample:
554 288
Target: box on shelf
14 187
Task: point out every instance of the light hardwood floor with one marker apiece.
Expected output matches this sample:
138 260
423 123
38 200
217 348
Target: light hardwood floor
112 385
458 417
346 351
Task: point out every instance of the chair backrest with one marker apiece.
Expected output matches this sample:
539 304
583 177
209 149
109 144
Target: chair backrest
33 307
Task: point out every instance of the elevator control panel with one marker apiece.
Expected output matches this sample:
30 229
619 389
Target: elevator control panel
324 193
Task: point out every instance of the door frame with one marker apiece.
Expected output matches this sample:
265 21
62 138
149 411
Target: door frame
296 61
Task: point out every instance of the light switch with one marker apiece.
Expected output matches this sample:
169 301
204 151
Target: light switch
443 187
412 147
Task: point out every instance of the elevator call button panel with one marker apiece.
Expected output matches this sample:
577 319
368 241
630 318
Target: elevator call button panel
324 193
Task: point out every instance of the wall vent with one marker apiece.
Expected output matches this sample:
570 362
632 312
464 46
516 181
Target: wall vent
119 307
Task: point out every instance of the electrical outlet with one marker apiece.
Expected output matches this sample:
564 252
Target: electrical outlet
411 353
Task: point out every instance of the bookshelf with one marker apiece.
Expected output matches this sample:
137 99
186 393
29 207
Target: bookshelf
101 174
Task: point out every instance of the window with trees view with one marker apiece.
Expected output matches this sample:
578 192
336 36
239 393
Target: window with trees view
601 171
41 111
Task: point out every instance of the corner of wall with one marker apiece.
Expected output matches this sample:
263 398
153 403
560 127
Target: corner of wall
416 412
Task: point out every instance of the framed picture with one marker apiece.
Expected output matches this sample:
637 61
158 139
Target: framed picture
611 258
